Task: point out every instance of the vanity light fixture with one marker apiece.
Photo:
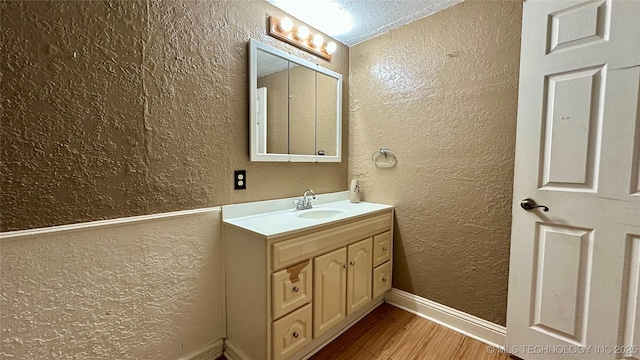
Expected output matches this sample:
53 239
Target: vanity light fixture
303 33
299 36
285 24
330 48
317 40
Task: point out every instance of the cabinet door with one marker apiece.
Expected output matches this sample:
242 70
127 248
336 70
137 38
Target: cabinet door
359 274
329 290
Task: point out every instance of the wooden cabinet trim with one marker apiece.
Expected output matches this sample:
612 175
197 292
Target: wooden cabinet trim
379 273
289 252
381 248
291 288
359 257
296 328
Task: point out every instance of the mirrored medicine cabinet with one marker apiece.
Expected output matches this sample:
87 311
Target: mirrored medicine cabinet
295 108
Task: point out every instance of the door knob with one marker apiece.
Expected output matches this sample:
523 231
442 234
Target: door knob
530 204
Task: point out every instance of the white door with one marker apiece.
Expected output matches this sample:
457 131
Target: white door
574 270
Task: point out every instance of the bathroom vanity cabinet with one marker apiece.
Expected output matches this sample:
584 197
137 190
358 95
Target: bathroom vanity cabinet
290 293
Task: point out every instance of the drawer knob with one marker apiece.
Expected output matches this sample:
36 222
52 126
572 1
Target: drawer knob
296 289
295 334
384 248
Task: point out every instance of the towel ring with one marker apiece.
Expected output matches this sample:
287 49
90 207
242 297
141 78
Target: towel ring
389 156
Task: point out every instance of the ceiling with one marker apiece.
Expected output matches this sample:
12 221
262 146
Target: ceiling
354 21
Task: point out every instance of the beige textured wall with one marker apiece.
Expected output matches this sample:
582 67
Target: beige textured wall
121 108
140 289
442 94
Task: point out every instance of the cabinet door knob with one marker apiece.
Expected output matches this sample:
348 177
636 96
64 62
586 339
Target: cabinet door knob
345 266
384 248
296 289
295 334
352 262
384 279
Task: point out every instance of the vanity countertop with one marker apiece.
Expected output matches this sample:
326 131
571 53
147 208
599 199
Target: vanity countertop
275 218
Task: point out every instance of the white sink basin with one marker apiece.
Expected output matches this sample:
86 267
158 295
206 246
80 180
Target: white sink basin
274 218
320 213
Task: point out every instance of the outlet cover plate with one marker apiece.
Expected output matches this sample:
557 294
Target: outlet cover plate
239 179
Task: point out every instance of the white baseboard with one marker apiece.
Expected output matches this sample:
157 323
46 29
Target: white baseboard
456 320
231 352
210 352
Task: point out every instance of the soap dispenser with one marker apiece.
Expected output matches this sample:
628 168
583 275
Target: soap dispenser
354 191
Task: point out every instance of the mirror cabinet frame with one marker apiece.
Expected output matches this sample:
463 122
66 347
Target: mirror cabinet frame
254 137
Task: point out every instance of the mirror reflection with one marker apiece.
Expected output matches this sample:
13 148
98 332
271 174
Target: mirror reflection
295 108
326 126
273 103
302 110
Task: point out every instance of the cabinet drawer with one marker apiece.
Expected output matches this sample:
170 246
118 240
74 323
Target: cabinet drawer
291 288
289 252
381 279
291 333
381 248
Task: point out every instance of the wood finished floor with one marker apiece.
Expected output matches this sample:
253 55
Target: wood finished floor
390 333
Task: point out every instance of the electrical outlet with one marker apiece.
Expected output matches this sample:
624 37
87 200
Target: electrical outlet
239 179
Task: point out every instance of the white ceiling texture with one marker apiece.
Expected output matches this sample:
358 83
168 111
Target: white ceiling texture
354 21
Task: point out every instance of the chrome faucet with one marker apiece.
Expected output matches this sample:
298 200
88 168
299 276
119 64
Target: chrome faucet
305 202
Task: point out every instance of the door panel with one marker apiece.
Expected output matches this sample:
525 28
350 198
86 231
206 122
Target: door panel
572 129
562 275
631 322
578 25
329 290
360 260
620 168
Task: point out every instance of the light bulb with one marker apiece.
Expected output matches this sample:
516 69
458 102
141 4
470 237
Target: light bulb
285 24
302 33
331 47
318 40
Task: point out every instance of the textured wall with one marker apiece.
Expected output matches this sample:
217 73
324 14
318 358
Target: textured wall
141 289
119 108
442 94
